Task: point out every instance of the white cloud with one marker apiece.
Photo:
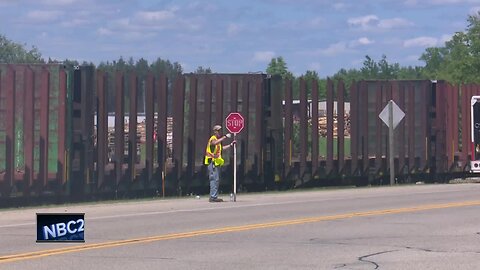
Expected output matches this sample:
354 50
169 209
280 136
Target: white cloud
334 49
444 38
357 62
363 41
75 22
165 19
371 22
6 3
155 16
43 16
43 35
363 21
123 23
412 58
202 6
142 24
314 66
104 31
58 2
393 23
186 67
420 42
340 6
438 2
474 11
442 2
300 25
137 35
233 29
263 56
410 2
192 23
316 22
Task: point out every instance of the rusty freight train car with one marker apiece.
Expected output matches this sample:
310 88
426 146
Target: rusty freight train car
74 133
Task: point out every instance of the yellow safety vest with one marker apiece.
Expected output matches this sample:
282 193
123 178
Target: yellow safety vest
215 153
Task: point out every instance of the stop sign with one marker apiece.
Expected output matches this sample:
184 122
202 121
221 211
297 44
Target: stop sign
234 122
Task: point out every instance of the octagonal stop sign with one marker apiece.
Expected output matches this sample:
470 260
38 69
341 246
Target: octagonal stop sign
234 122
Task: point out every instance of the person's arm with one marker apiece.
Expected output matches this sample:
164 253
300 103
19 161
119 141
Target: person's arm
229 145
217 141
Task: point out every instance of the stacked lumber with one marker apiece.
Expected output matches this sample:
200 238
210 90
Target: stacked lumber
141 136
322 126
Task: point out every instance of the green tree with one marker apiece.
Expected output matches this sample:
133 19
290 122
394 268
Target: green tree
348 77
11 52
278 66
459 66
310 78
120 64
142 68
165 66
70 63
387 71
202 70
433 58
458 61
370 68
382 70
106 66
411 73
311 75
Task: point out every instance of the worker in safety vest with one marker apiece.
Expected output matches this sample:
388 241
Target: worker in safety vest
214 160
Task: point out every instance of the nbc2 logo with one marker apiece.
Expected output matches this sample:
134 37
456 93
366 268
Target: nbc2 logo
61 229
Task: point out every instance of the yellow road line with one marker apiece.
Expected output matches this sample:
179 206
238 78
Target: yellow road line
50 252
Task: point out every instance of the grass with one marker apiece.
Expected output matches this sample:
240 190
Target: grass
322 146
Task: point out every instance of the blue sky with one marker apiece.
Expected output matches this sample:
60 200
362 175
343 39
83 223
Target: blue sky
236 36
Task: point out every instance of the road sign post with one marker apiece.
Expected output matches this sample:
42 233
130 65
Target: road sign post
391 115
234 123
390 143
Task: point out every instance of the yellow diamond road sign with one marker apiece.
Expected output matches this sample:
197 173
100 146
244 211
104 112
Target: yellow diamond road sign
398 114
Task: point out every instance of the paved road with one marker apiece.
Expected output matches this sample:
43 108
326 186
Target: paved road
404 227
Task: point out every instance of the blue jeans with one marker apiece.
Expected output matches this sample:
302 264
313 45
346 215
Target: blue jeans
214 177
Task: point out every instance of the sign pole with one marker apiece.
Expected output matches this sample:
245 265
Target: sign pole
391 115
234 123
234 169
390 142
